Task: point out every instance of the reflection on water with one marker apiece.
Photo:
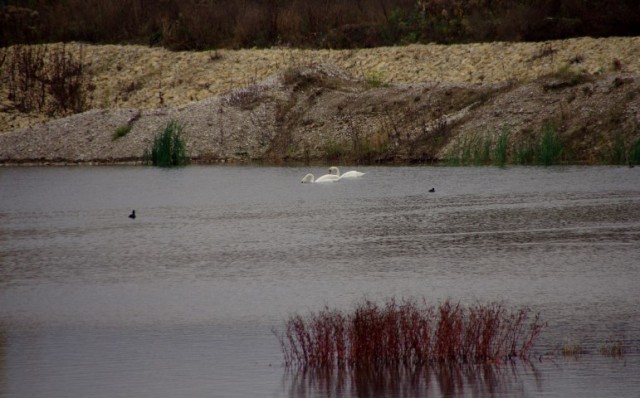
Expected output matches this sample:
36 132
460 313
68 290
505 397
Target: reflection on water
4 345
181 301
588 376
431 381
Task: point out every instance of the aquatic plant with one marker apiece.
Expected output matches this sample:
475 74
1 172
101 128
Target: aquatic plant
612 348
369 150
617 151
571 347
477 151
547 150
550 148
634 153
333 150
525 153
461 152
168 147
407 333
501 148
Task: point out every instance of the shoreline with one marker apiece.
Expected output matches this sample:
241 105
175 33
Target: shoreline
281 105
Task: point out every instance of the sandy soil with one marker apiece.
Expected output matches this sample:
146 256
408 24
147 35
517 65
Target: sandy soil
267 104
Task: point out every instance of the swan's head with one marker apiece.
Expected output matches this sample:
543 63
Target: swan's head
308 178
334 170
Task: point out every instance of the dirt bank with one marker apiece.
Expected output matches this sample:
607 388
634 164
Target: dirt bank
404 104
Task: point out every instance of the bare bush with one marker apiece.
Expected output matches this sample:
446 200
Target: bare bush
66 81
409 334
245 98
26 75
46 78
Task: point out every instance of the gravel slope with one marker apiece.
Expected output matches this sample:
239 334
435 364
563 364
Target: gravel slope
269 105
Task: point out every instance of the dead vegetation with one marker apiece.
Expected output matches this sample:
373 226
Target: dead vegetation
409 334
47 79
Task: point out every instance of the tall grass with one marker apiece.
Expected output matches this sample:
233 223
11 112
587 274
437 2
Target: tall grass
550 148
359 149
480 150
501 148
547 150
333 151
525 153
462 153
370 149
168 147
618 153
408 334
634 153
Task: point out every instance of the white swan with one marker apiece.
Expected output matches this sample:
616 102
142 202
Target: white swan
325 178
333 170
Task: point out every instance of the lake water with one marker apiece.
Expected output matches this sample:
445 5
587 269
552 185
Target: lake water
181 301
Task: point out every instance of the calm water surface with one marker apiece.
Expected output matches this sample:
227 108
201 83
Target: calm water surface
181 301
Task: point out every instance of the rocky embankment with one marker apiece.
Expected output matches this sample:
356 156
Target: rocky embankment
400 104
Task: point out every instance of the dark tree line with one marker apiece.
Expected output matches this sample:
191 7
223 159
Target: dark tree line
211 24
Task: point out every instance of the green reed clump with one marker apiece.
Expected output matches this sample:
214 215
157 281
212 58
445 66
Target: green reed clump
500 151
121 131
408 334
333 150
458 155
479 151
618 152
168 147
634 153
525 153
369 150
468 151
550 148
547 150
482 153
